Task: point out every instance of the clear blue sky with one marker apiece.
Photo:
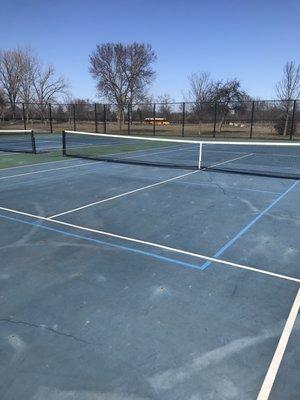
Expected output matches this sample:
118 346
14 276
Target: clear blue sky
250 40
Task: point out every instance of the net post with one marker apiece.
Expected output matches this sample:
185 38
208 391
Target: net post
74 117
183 119
252 119
200 156
24 116
293 119
33 145
154 116
96 120
215 118
104 118
128 118
64 149
50 117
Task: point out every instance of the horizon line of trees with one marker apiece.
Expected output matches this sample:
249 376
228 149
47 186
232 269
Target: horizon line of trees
123 75
124 72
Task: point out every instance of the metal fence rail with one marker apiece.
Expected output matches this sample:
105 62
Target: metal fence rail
260 119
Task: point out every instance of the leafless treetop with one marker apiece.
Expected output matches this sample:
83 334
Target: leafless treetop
123 72
201 87
288 88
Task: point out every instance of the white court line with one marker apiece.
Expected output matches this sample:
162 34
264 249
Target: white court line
43 163
36 164
47 170
11 153
141 188
58 161
147 151
122 194
190 148
280 350
12 131
228 161
54 169
49 141
184 141
256 154
155 245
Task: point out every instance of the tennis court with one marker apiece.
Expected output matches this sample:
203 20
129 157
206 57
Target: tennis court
125 280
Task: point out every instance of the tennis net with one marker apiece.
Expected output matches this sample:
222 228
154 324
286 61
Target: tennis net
256 158
17 141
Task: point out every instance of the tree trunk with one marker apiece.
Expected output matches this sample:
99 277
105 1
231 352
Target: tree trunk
221 123
13 109
120 117
200 127
286 124
43 114
223 120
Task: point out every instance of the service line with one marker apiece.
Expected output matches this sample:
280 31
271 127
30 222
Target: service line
155 245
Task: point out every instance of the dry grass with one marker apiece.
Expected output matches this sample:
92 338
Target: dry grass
260 131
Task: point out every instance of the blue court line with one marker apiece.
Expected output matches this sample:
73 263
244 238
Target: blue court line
247 227
38 224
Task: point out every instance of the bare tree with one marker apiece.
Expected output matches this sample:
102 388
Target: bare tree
165 105
2 97
288 89
22 78
29 64
11 69
143 109
47 87
2 104
230 98
29 67
123 72
84 109
201 87
200 93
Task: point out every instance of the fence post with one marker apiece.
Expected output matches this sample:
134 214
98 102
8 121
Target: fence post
293 120
128 118
64 149
74 117
96 119
33 145
24 116
183 119
215 118
252 119
50 117
104 118
154 122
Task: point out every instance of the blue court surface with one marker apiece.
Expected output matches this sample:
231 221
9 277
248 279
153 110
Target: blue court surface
139 282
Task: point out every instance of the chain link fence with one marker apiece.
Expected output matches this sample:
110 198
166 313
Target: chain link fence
261 119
